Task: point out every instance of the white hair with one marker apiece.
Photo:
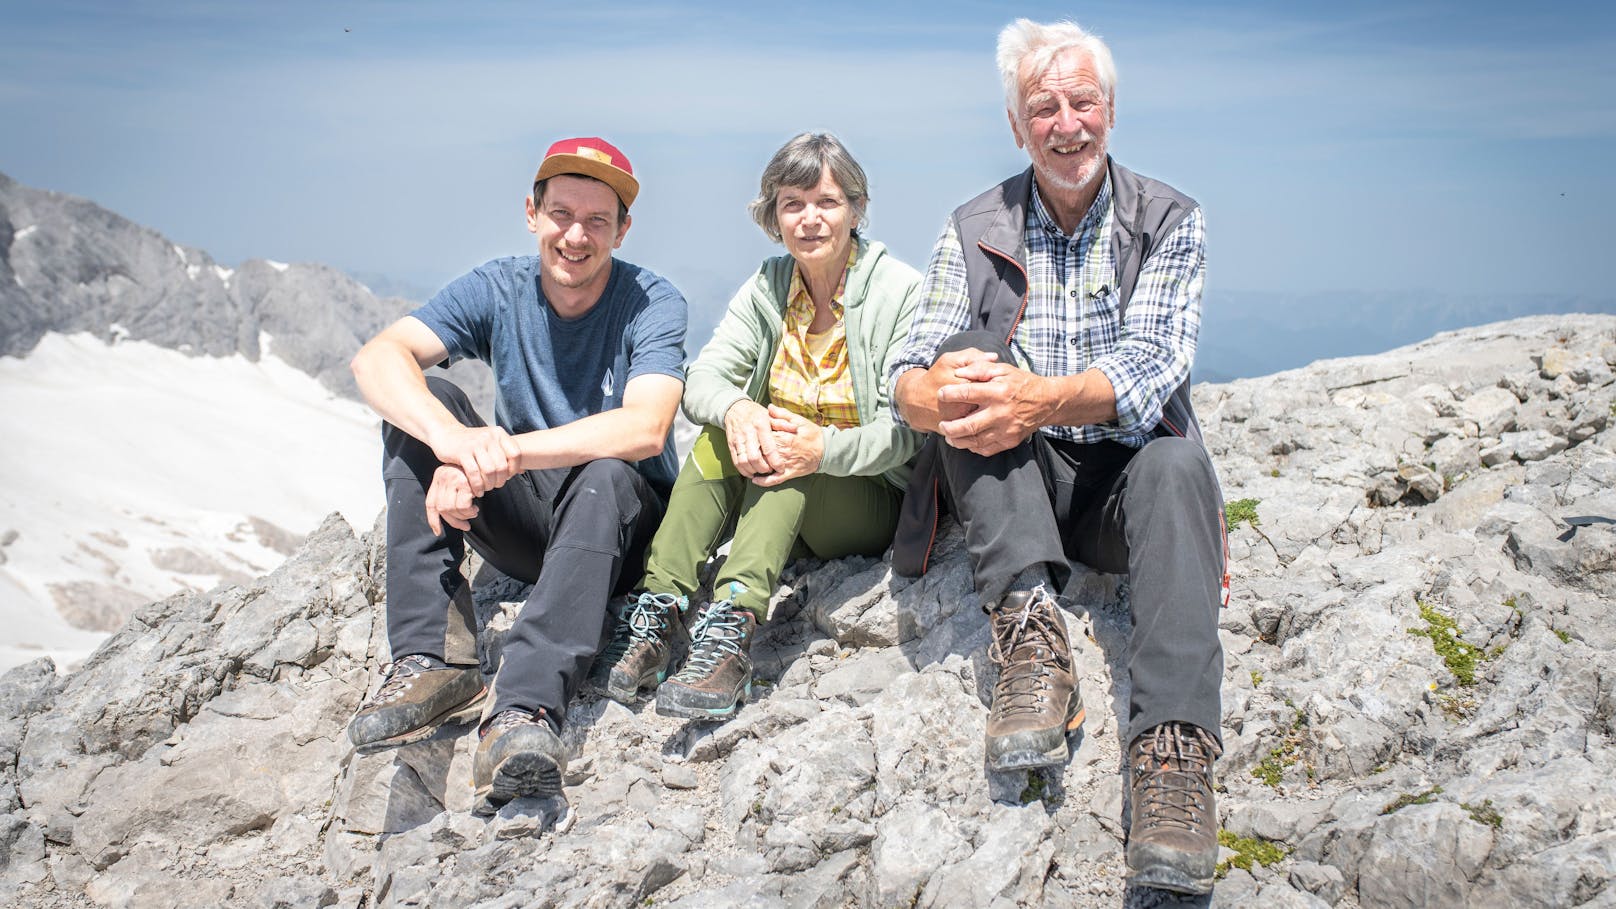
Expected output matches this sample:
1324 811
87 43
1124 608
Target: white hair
1037 45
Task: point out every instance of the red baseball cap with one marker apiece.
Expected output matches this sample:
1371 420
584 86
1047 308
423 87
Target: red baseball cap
592 156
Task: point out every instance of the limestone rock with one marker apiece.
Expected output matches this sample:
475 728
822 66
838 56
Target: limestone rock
1417 703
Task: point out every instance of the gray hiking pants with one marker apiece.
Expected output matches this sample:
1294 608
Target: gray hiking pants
578 534
1152 513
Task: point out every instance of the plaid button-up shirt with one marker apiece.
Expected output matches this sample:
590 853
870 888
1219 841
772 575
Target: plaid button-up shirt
814 385
1071 323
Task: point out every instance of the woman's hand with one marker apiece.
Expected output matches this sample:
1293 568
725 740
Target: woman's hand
751 439
800 445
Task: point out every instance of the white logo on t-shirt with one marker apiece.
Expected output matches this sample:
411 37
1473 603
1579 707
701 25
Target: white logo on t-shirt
606 384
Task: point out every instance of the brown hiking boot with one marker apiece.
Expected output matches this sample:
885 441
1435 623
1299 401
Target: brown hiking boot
519 756
717 675
1173 839
418 695
643 632
1036 702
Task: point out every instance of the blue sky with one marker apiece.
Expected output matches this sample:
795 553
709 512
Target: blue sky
1375 147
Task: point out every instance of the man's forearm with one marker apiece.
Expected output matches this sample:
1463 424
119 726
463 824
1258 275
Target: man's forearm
393 385
622 433
915 398
1085 399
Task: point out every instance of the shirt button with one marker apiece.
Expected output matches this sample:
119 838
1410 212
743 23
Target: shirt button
1072 340
1074 294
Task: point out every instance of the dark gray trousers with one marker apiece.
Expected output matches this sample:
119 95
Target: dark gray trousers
1152 513
578 534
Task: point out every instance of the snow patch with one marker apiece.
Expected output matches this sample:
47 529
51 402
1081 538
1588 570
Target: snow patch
223 273
278 266
201 445
181 253
191 271
266 344
23 233
118 332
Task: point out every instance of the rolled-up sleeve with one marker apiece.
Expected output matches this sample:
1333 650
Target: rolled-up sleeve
944 311
1160 329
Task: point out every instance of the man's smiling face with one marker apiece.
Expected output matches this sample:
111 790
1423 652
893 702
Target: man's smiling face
1064 120
577 225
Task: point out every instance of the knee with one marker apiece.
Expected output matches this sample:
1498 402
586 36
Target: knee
1175 463
448 392
981 339
607 473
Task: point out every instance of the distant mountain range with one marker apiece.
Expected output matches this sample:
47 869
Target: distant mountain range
67 265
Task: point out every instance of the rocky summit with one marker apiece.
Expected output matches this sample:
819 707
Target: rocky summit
1419 696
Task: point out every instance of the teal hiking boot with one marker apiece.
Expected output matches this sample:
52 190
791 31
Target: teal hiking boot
644 630
717 676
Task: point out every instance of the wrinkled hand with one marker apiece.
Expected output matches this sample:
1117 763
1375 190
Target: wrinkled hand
1002 406
487 455
751 439
954 368
800 443
449 500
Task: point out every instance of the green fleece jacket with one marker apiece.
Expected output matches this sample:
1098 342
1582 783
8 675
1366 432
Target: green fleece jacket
878 303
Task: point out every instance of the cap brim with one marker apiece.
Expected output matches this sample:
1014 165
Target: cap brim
621 181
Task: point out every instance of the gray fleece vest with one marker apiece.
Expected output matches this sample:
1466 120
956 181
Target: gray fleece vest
991 231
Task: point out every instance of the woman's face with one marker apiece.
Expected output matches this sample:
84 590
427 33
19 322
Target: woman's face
816 223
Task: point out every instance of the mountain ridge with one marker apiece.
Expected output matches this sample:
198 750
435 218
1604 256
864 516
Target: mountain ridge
68 265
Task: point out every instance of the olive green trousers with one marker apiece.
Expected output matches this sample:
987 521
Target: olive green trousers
824 516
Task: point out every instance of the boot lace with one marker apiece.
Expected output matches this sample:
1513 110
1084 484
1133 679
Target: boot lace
1173 776
400 675
1026 641
643 620
716 634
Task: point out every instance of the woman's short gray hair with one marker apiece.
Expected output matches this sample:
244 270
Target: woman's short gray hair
799 164
1038 44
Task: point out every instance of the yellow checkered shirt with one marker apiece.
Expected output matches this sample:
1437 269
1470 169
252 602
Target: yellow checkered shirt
817 388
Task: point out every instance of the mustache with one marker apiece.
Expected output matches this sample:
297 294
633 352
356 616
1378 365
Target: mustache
1076 138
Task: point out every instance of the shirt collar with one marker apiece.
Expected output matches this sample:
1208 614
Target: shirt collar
798 298
1091 218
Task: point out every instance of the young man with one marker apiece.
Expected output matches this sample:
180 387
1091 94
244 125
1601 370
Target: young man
1051 358
564 491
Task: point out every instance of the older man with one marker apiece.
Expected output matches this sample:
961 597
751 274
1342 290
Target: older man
1051 358
564 491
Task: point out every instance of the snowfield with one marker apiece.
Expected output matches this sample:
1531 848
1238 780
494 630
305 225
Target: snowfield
132 472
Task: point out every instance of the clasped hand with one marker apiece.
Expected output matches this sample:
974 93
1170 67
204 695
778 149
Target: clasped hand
487 455
771 445
799 445
986 406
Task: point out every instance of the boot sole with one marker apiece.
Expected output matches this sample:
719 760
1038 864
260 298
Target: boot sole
458 715
625 695
1166 877
1028 758
671 707
527 774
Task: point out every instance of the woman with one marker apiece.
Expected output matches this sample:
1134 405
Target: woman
798 442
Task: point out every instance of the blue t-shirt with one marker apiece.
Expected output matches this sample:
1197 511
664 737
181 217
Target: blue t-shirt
550 371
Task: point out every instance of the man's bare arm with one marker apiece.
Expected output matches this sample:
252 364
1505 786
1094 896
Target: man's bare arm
633 432
388 370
